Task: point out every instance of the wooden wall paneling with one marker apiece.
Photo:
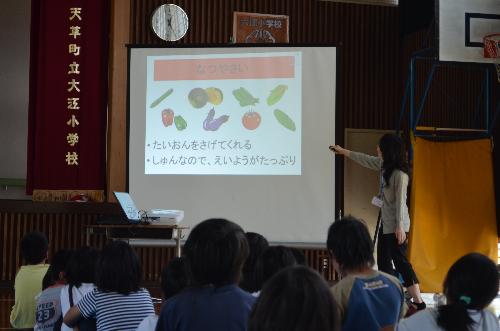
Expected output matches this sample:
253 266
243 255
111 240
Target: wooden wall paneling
120 30
64 225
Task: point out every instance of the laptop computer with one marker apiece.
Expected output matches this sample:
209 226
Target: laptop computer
158 216
132 214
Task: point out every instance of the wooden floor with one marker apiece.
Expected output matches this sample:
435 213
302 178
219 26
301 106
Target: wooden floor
7 301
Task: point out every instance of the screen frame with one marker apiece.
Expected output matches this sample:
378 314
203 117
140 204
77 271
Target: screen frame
339 114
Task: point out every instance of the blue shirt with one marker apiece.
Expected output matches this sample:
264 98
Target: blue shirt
369 302
207 308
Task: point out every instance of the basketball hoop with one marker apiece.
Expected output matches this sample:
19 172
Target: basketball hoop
492 50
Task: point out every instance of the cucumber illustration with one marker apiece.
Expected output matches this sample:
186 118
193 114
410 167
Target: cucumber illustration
161 98
284 120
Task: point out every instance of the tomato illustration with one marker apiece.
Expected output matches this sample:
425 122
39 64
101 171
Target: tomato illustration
167 117
251 120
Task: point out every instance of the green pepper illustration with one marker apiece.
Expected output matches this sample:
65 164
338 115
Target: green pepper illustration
161 98
284 120
180 123
244 97
276 94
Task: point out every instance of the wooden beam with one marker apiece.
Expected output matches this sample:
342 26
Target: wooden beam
117 111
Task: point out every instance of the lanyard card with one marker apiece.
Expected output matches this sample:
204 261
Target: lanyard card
376 201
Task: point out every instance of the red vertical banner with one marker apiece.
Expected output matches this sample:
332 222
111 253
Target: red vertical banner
68 99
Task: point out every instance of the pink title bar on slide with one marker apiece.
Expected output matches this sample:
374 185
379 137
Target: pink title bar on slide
225 68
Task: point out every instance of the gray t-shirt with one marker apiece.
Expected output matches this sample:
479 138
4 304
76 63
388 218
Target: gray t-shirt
426 320
48 309
393 193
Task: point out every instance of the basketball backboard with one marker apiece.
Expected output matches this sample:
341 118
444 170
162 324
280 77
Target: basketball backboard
461 27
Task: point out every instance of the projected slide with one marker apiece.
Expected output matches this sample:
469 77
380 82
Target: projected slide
237 114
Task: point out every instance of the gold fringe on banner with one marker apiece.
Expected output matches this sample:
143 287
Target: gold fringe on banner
69 195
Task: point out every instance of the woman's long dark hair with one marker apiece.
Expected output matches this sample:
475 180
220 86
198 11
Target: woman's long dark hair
393 154
471 283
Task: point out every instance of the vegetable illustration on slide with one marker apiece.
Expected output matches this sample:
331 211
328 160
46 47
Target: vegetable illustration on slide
284 120
219 113
215 95
274 97
161 98
251 120
180 122
244 97
198 97
211 124
276 94
167 117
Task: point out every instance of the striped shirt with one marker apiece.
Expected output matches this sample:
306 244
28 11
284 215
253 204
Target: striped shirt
114 311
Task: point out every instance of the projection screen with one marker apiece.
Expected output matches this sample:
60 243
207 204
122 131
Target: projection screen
236 132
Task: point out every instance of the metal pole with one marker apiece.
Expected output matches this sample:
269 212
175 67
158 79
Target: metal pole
424 96
411 128
487 97
403 103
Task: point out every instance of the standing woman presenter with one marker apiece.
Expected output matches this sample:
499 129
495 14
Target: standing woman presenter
392 245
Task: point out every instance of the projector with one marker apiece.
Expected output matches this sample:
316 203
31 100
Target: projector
165 216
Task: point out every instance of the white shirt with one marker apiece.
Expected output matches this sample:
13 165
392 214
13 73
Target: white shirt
78 294
149 323
427 320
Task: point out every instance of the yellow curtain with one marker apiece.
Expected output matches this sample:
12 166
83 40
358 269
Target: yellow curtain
452 206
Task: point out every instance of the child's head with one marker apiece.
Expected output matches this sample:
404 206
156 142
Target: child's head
215 252
350 245
471 283
34 247
174 277
82 266
257 244
57 269
296 298
274 259
118 269
473 275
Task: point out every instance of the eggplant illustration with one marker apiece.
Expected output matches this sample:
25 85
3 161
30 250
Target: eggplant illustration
211 124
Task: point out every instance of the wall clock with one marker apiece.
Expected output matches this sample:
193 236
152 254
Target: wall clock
169 22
